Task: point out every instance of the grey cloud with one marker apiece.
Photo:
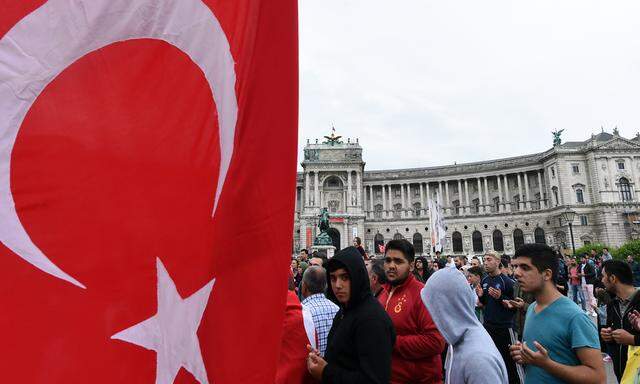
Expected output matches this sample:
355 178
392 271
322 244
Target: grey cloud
427 83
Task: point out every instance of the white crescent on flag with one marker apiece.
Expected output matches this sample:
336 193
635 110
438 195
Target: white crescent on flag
39 47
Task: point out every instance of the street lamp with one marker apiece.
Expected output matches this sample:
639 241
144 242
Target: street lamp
568 215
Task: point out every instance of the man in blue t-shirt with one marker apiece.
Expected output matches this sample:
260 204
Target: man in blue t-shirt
560 343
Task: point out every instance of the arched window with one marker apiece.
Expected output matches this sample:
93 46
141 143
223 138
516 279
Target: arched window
556 200
579 196
417 209
539 235
398 236
456 239
498 241
377 211
476 238
417 243
378 242
335 237
625 189
333 182
518 239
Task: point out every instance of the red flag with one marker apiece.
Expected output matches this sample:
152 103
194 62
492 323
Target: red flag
298 332
147 159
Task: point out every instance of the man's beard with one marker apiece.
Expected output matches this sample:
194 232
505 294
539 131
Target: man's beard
399 280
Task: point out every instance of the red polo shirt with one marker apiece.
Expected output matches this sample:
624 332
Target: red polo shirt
416 354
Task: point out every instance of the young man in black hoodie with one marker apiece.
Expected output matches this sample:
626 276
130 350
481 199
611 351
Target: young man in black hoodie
361 338
617 278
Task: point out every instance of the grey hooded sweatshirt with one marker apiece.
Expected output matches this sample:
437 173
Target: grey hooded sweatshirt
472 357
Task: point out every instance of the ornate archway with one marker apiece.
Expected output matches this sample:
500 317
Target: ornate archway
335 237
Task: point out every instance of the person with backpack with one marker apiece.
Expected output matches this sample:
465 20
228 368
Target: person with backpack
563 275
498 318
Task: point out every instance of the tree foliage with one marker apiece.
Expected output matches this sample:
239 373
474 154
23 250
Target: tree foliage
629 248
589 247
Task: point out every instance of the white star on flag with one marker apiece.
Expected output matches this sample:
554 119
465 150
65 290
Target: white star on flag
172 332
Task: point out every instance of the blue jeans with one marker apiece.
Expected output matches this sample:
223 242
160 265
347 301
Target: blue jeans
576 293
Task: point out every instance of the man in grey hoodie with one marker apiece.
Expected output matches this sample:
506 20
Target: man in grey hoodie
472 357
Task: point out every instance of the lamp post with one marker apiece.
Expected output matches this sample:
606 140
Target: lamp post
568 215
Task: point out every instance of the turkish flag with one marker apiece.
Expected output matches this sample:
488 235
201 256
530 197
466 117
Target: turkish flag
147 170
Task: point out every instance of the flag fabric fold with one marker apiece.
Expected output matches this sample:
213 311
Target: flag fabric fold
437 226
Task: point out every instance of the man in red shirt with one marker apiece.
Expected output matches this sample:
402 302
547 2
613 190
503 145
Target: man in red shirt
298 332
416 354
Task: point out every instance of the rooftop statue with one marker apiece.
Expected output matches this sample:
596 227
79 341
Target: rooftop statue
333 139
556 137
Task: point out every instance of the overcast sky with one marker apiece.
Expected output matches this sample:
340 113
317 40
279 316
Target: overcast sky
424 82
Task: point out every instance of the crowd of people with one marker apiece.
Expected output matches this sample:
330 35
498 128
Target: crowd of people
534 317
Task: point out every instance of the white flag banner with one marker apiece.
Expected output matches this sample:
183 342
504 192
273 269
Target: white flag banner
438 231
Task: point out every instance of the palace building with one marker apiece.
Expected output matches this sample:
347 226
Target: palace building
489 205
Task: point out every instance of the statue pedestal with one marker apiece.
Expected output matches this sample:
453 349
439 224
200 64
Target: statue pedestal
328 250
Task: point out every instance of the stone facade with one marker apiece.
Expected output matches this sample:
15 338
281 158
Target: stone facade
490 205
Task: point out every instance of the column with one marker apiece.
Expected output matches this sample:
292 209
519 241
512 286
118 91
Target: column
466 195
460 209
520 205
507 198
347 235
543 203
548 185
371 198
428 195
526 191
303 235
297 206
402 200
409 205
349 190
384 199
422 205
487 203
440 196
359 189
634 188
500 206
390 201
316 195
446 190
480 195
307 189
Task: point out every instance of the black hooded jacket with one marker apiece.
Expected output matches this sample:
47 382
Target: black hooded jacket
618 320
361 339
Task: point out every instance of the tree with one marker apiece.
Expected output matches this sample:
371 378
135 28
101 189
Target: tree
630 248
